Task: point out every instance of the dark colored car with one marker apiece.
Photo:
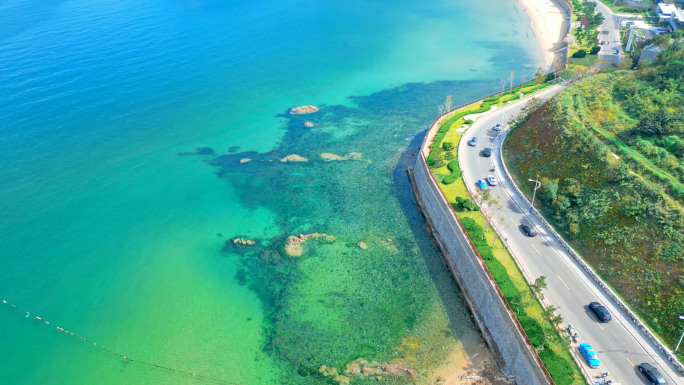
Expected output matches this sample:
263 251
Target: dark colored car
600 311
472 141
487 152
529 230
652 374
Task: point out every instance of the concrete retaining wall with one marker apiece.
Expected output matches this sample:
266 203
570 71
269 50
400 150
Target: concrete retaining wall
492 314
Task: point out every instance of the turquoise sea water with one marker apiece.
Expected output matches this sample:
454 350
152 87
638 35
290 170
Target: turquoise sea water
113 224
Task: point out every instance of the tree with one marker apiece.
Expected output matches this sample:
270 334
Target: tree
594 50
447 104
579 54
539 76
539 285
625 63
512 79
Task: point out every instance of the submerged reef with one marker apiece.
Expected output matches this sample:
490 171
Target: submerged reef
377 289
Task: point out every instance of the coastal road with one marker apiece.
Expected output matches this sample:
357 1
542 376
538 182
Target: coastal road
619 344
608 33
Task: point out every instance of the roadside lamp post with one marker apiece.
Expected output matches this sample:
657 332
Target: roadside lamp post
534 193
681 317
503 117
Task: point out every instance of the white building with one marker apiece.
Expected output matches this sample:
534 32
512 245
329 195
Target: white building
664 11
677 19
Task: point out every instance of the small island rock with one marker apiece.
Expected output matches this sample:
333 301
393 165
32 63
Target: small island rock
309 124
237 241
293 246
245 160
303 110
294 158
329 157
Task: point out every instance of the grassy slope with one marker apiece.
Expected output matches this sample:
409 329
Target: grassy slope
624 215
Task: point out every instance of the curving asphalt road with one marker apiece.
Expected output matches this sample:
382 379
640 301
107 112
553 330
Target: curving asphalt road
608 33
619 344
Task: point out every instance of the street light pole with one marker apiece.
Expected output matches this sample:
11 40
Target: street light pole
534 193
681 317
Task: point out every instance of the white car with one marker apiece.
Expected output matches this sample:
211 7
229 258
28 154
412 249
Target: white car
491 180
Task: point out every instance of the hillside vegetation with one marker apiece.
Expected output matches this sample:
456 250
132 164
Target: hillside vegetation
609 153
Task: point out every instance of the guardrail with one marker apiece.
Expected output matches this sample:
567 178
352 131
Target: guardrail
599 282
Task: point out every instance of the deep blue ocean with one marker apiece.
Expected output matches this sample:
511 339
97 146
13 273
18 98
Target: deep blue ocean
122 127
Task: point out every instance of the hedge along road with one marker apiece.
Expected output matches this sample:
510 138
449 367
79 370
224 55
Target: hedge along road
619 344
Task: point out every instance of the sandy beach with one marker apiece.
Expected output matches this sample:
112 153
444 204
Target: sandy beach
549 21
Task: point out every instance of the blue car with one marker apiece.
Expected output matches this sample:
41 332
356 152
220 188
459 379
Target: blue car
482 183
589 355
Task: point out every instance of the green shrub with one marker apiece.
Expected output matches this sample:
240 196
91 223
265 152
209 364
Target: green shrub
453 166
560 368
534 331
465 204
430 160
594 50
449 179
579 54
468 121
447 145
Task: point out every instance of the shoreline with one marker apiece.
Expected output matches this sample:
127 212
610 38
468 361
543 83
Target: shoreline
548 19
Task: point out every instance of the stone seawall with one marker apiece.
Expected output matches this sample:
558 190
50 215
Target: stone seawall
492 314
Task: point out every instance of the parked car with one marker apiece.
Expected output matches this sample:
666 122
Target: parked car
491 180
498 127
617 51
652 374
600 311
487 152
603 42
472 141
589 355
529 230
482 184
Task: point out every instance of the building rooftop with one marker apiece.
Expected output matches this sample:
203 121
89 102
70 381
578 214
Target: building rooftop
665 9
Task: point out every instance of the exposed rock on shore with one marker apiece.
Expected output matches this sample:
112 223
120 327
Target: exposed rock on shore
303 110
293 246
328 157
294 158
309 124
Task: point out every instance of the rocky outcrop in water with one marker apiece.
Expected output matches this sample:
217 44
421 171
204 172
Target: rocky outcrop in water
294 158
309 124
329 157
237 241
363 368
362 245
293 246
301 110
245 160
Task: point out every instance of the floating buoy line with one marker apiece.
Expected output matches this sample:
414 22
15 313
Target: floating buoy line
126 359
